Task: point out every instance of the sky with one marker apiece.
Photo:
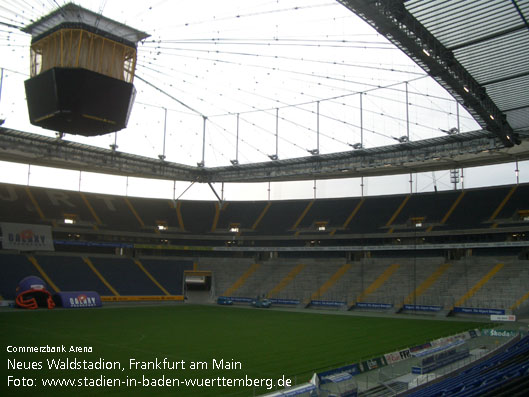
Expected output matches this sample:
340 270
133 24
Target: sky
289 68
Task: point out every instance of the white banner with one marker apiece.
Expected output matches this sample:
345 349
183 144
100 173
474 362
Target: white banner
498 317
25 237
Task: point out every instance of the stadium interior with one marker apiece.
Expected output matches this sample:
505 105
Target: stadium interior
452 248
447 254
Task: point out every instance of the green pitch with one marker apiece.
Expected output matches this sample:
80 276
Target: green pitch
190 350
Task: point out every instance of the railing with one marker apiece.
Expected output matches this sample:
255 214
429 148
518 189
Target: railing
404 368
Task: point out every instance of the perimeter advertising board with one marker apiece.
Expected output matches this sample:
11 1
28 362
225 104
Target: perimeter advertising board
26 237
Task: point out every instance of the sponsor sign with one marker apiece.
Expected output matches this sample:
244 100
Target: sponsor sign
285 301
25 237
423 308
78 243
327 303
392 358
508 317
240 299
478 310
450 339
508 333
432 350
174 247
370 247
370 305
372 364
420 347
142 298
78 299
353 369
404 354
473 333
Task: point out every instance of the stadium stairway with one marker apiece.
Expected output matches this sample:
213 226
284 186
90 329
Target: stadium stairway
285 280
485 377
385 390
425 285
108 275
320 292
381 279
479 284
241 280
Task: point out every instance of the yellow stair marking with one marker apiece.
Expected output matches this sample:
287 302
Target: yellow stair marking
217 215
286 280
91 209
378 282
242 279
520 301
46 278
427 283
303 214
397 212
179 215
129 204
331 281
261 216
353 214
37 206
452 208
137 262
216 218
479 284
500 207
91 266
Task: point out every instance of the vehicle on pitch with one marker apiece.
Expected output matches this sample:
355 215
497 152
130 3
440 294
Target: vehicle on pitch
262 302
224 300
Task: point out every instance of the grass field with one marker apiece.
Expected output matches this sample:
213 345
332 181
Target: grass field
254 344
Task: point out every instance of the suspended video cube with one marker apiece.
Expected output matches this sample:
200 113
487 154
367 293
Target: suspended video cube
82 70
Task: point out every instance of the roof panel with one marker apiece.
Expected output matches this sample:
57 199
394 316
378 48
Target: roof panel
490 40
519 118
454 22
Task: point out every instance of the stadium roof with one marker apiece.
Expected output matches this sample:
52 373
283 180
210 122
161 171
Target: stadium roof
447 152
491 40
476 50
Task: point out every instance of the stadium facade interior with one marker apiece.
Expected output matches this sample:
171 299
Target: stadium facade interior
447 253
445 249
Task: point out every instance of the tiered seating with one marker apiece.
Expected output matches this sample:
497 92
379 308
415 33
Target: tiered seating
243 213
430 206
74 273
125 276
478 208
490 376
333 211
225 273
13 268
169 273
71 273
374 214
58 204
198 216
281 217
113 212
16 205
508 216
151 214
